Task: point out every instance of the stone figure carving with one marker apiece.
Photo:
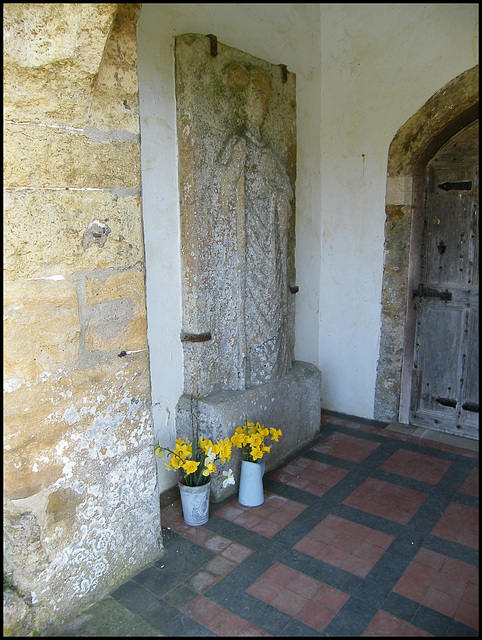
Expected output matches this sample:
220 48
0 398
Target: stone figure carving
256 194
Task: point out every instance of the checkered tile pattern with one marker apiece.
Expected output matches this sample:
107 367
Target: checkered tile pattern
363 532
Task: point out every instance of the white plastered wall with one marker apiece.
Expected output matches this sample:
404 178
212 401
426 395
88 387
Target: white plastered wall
380 64
362 70
279 33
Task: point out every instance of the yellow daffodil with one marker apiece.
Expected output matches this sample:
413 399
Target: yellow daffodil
256 441
210 468
205 444
275 434
224 450
190 466
195 459
237 439
250 438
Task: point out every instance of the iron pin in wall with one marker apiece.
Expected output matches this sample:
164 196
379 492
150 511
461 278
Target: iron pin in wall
213 45
195 337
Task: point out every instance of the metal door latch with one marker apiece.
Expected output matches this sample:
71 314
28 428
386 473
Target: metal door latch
425 292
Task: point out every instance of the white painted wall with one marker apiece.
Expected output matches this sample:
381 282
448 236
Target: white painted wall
279 33
362 70
380 64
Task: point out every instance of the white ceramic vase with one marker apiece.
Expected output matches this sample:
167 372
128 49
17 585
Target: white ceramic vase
251 484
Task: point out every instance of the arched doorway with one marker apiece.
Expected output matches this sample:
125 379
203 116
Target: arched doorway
415 144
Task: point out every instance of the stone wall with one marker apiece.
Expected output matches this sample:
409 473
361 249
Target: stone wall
80 502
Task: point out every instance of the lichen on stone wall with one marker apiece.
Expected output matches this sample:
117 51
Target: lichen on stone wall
80 496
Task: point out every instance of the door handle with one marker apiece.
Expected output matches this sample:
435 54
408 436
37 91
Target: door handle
425 292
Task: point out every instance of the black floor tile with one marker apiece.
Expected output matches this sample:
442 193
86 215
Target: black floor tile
352 619
399 606
182 626
159 614
134 597
432 621
295 629
459 630
372 593
271 620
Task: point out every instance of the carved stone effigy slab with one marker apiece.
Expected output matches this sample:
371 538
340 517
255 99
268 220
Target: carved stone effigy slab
236 129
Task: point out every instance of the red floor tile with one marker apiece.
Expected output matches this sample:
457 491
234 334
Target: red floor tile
345 545
309 475
443 584
471 485
267 519
347 447
217 543
202 610
386 625
441 602
302 597
459 523
264 589
289 602
438 582
236 553
468 614
386 500
227 624
323 607
250 630
417 466
220 566
316 616
201 581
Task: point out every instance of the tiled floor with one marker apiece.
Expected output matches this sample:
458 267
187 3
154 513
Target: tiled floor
364 532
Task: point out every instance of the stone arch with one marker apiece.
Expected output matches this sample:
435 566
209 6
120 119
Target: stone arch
444 114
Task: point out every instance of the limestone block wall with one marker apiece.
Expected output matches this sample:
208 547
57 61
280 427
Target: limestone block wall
81 511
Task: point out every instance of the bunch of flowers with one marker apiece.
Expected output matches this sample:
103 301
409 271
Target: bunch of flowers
250 439
195 459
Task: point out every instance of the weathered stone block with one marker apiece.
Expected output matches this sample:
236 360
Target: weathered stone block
52 53
37 156
73 423
41 328
399 190
82 511
17 619
45 232
117 312
292 404
115 102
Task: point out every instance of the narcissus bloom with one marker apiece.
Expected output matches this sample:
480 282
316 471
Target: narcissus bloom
195 461
250 438
229 478
190 466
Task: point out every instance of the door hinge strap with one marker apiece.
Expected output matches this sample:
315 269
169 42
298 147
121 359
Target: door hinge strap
471 406
446 402
456 186
425 292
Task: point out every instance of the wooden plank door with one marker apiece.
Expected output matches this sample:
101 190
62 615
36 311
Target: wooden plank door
445 382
